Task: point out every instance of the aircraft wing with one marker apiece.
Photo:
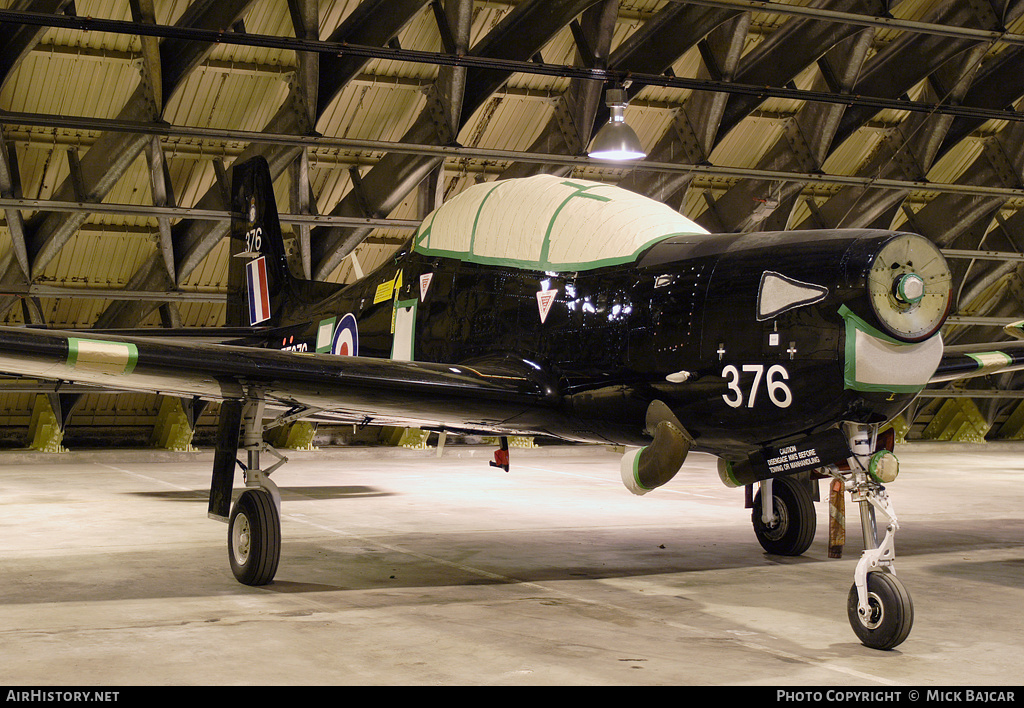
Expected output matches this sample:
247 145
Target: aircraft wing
969 361
963 365
416 394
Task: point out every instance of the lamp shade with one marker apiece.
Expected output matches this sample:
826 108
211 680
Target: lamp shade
616 140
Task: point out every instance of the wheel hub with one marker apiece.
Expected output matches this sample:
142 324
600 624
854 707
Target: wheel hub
777 528
241 536
873 616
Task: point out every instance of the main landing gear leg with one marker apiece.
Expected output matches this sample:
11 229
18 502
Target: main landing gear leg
786 526
254 527
878 606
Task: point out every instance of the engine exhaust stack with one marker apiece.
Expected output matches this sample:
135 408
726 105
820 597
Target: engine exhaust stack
647 468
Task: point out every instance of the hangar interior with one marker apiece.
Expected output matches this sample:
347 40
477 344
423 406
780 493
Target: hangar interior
120 123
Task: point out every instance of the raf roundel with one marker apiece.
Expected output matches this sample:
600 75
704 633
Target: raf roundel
346 337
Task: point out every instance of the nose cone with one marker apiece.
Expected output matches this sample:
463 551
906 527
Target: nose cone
910 287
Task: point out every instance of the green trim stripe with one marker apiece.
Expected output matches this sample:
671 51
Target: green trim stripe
991 361
412 304
102 357
729 474
479 209
528 264
325 335
580 192
853 325
636 470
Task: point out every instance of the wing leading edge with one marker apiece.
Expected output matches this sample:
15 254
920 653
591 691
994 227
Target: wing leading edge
421 394
982 360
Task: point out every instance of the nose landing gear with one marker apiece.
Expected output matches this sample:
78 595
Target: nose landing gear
879 607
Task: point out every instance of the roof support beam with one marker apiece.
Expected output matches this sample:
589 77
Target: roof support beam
776 61
143 12
113 153
373 21
572 125
360 52
517 37
304 203
20 38
697 126
305 88
305 18
163 196
803 146
910 59
10 188
907 152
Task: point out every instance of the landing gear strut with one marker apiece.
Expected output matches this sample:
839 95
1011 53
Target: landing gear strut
878 606
254 524
785 527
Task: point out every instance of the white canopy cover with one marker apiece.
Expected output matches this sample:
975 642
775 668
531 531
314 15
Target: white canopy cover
549 223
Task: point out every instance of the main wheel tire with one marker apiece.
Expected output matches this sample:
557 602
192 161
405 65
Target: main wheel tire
891 616
254 538
793 532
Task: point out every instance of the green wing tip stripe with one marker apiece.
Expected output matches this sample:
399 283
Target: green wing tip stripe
1015 329
992 360
102 357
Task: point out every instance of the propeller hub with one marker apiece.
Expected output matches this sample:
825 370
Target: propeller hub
909 288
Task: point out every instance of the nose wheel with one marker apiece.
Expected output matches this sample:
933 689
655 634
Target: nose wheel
878 606
885 621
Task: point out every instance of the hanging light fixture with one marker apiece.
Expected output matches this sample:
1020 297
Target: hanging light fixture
616 140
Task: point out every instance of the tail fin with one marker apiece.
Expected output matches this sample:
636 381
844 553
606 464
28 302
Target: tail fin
258 272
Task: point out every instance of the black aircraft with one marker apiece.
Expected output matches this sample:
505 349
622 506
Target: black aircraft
572 309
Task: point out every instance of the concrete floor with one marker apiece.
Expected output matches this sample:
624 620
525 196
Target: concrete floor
401 568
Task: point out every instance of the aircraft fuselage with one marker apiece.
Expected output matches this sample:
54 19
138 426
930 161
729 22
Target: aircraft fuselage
745 337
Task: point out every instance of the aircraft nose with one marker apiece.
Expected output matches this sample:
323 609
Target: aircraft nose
910 287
